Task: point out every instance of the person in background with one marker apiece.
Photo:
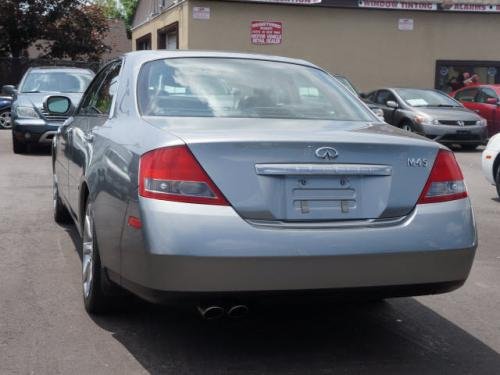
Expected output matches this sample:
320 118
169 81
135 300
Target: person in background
472 81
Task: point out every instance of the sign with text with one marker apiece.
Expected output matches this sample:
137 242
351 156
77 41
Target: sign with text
266 32
297 2
201 13
405 24
471 7
405 5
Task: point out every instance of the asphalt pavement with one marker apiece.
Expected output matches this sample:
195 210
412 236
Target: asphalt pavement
45 330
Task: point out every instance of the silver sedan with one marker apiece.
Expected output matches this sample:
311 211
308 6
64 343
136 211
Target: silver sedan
212 177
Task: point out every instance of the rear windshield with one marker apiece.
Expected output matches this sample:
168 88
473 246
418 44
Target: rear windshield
218 87
53 81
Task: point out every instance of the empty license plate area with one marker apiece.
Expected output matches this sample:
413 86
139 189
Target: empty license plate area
323 197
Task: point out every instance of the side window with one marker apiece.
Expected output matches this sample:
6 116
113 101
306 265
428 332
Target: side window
384 96
467 95
485 94
98 99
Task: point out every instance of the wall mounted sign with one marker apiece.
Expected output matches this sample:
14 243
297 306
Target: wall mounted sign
405 24
266 32
201 13
470 7
405 5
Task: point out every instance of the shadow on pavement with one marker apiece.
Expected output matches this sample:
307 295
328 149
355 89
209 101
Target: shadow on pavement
400 336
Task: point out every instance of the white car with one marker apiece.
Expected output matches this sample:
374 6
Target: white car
491 161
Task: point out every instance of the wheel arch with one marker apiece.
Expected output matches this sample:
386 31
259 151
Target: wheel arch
496 165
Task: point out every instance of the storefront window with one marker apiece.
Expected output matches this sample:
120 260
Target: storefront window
453 75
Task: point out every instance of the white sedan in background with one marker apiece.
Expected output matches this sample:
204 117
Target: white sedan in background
491 161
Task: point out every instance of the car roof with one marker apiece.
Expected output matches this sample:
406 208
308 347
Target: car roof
151 55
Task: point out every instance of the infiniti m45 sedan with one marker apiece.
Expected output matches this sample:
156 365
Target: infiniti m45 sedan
212 177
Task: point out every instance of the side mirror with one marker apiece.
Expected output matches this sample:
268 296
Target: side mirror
58 105
493 101
392 104
9 90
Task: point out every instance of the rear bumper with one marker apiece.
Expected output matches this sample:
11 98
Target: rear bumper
198 248
456 134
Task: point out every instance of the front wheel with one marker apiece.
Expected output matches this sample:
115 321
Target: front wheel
5 120
18 147
408 126
497 181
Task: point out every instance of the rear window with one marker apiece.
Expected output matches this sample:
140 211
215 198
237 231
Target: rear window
217 87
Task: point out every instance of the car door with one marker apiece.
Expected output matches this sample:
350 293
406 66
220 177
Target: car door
384 96
468 98
108 169
77 151
487 110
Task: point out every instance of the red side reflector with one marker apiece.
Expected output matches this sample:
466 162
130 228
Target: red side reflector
445 182
134 222
174 174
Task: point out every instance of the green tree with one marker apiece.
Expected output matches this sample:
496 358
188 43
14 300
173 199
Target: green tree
73 27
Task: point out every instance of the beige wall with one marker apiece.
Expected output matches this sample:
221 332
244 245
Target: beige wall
177 14
365 45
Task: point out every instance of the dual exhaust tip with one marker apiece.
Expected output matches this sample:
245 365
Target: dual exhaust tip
215 312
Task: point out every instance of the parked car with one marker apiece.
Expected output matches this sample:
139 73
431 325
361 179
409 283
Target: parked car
5 105
214 176
31 122
484 100
348 84
432 114
491 162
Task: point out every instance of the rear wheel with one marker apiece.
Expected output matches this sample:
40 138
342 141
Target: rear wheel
5 120
18 147
100 295
61 214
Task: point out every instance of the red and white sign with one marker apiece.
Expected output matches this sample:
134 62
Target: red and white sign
396 5
267 32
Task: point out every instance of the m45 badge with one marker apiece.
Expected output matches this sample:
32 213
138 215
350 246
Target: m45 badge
418 162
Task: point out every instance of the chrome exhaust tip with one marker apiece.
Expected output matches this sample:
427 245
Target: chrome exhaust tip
237 311
211 312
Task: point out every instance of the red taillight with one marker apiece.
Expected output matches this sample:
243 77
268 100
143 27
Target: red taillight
446 182
174 174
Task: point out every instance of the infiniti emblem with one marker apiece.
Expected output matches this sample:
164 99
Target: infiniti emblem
328 153
461 123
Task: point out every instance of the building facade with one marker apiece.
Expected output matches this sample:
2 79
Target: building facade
374 43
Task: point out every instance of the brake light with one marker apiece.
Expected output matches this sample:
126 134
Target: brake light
174 174
446 182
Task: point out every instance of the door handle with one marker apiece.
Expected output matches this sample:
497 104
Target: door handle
89 137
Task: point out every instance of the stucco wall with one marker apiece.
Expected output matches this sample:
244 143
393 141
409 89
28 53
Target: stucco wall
177 14
365 45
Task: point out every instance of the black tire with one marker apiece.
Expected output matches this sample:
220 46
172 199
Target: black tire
61 213
497 181
100 295
408 126
469 147
18 147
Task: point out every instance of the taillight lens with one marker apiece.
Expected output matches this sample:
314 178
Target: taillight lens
446 182
174 174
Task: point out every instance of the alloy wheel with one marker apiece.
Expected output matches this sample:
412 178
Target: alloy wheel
88 254
5 120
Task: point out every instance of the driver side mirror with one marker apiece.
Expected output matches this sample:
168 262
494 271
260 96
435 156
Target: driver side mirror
493 101
10 90
58 105
392 104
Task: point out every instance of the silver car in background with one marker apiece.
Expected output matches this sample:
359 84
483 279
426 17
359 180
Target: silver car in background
217 176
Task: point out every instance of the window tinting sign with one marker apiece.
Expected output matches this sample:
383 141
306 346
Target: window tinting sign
266 32
405 24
